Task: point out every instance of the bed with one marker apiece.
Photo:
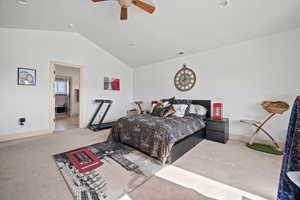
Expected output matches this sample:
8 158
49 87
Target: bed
164 138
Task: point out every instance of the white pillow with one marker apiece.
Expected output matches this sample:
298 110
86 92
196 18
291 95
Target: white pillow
198 110
180 109
166 104
152 107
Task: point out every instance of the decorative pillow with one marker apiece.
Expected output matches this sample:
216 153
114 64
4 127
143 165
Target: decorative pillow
187 102
166 104
170 111
158 110
180 109
152 107
197 111
155 104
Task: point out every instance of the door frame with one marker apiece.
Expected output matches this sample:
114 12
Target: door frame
52 94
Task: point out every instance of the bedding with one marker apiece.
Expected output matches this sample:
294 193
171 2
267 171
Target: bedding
197 111
170 111
155 135
158 110
187 102
288 186
180 110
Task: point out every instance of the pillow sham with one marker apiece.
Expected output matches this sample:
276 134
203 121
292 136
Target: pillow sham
180 110
153 106
166 104
197 111
158 110
169 111
187 102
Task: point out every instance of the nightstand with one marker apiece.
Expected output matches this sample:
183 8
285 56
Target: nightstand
217 130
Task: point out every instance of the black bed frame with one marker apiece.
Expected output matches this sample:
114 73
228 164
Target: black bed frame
186 144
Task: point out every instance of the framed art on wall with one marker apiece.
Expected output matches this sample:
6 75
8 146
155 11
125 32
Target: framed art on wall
111 83
26 76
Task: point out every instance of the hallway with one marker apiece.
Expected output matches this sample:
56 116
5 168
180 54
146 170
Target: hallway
63 123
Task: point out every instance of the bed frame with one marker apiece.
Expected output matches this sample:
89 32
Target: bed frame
186 144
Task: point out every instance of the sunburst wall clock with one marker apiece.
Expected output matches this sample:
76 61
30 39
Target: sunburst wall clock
185 79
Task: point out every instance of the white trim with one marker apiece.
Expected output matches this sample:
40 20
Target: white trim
14 136
51 108
52 94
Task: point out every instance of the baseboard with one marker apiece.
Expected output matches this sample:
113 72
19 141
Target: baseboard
14 136
246 139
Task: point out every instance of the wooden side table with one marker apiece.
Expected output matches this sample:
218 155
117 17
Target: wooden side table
218 130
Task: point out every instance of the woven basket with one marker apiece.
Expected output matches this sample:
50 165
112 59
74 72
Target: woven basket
275 107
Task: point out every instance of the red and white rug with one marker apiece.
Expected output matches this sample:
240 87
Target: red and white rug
105 170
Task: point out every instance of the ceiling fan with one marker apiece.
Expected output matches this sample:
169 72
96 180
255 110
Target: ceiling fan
125 4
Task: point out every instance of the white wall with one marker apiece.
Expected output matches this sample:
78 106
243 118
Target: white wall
35 49
74 74
240 76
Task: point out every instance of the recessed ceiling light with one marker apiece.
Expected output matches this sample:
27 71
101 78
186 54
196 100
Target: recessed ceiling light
180 53
223 3
22 2
71 25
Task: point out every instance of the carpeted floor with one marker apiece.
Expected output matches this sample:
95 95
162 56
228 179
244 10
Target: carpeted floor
28 171
236 165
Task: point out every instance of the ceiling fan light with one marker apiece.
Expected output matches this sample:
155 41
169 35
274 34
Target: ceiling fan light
22 2
125 3
223 3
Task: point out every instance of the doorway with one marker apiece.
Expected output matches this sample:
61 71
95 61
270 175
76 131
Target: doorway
66 114
65 83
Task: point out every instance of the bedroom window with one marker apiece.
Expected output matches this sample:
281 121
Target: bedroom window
61 87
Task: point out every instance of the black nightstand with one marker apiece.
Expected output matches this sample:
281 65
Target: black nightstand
218 130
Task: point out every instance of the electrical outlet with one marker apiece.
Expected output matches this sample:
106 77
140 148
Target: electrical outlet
22 120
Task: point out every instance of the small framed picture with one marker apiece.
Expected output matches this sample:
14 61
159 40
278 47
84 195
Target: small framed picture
26 76
111 83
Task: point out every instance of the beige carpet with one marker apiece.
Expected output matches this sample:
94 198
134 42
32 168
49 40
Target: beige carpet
236 165
28 171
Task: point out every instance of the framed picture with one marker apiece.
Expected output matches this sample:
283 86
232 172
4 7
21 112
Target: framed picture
111 83
26 76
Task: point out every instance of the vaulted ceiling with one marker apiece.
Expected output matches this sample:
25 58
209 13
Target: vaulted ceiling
177 25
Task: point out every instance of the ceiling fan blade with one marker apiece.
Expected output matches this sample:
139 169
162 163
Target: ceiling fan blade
98 0
124 15
145 6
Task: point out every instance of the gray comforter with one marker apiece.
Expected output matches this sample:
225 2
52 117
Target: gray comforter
155 135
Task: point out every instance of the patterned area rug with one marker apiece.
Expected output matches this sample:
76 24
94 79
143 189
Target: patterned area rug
105 170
